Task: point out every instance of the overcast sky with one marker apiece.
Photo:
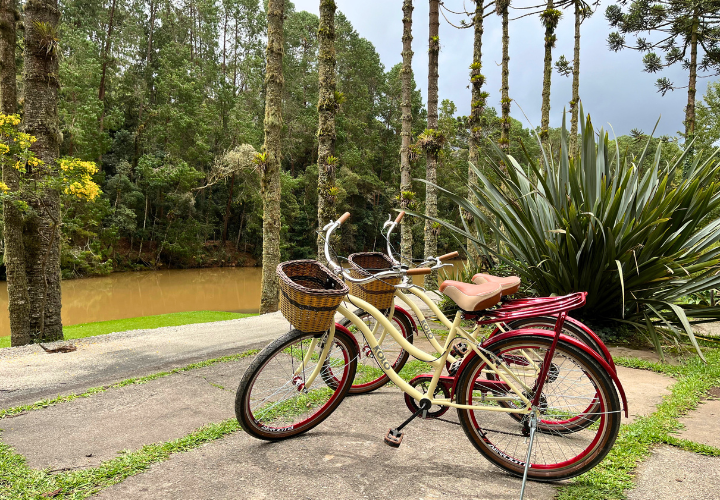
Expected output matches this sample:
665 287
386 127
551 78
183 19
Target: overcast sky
613 87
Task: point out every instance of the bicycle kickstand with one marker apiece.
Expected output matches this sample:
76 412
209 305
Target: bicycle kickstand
533 428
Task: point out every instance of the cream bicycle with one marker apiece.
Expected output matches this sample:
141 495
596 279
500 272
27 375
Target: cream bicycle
514 393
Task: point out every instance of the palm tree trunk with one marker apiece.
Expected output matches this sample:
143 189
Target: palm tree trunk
42 246
327 106
405 175
270 182
576 82
430 281
502 8
477 108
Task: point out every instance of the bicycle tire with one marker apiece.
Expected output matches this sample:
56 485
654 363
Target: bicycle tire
369 376
271 402
556 455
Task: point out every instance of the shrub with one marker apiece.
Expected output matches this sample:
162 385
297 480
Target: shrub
632 232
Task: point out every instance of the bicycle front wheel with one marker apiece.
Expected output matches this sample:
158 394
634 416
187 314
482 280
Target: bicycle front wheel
577 389
273 401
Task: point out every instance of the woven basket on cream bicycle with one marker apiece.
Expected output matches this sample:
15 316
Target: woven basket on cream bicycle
309 294
379 293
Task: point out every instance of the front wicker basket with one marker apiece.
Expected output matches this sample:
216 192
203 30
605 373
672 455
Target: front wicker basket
378 293
309 294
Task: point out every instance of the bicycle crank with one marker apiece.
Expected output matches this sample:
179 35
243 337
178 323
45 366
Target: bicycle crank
394 436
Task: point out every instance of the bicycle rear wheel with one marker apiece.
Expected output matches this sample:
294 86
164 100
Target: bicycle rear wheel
272 402
564 445
369 376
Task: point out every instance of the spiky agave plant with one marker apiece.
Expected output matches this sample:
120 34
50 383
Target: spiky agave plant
633 233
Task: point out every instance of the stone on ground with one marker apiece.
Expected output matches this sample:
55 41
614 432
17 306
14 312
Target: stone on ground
644 390
701 425
677 474
88 431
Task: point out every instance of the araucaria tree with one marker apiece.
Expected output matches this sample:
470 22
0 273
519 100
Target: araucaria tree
269 160
406 194
550 17
687 31
327 107
501 8
477 108
432 140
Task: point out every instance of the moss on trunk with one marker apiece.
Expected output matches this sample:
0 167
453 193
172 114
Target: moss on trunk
430 281
405 175
327 107
270 182
477 108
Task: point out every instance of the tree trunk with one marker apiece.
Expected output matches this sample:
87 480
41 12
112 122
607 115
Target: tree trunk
327 106
430 281
406 134
103 71
227 211
42 246
690 109
550 21
502 8
14 257
271 173
477 108
576 83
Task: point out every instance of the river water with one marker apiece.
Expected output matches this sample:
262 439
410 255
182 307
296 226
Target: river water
147 293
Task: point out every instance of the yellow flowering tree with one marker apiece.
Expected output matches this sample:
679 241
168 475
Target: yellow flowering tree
70 176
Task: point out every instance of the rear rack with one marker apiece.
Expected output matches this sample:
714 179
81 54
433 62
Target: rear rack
529 308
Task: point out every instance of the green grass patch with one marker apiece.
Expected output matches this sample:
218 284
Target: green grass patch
20 482
614 475
141 323
130 381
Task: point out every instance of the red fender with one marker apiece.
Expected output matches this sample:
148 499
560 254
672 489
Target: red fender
548 334
588 331
409 316
345 330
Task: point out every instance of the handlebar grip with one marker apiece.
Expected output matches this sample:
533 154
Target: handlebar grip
399 217
419 271
344 217
447 256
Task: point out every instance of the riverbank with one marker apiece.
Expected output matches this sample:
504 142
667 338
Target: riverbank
143 323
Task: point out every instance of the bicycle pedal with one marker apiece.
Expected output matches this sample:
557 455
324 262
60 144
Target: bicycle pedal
393 438
459 350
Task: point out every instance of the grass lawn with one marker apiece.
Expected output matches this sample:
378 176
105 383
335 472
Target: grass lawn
142 323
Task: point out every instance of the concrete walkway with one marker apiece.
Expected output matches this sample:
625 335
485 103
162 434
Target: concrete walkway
344 457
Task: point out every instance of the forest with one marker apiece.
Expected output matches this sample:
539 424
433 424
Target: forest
161 93
169 100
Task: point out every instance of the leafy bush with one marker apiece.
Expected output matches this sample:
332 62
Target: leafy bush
632 232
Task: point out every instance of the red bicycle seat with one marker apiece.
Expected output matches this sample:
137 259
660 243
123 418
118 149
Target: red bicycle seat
472 297
510 284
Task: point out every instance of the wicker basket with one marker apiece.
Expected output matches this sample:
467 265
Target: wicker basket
309 294
378 293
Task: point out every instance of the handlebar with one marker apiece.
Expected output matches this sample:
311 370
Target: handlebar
418 271
399 217
448 256
344 217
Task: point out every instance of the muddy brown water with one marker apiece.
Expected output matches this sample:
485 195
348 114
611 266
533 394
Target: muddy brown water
147 293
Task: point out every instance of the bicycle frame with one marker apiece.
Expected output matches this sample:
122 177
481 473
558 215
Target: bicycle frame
506 376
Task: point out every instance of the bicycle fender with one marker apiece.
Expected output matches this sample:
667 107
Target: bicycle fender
338 326
409 316
550 335
585 329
